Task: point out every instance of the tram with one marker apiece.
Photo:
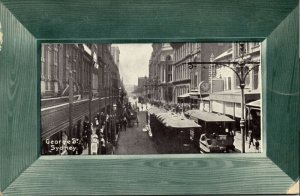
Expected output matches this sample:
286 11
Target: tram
216 134
174 133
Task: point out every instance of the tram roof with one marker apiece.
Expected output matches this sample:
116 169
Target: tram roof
208 116
176 121
156 110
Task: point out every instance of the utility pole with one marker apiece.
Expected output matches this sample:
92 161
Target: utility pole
211 72
70 69
90 102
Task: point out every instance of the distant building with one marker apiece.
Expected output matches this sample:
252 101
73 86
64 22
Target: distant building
115 52
142 86
161 73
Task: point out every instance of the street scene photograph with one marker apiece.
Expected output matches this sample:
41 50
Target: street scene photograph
144 99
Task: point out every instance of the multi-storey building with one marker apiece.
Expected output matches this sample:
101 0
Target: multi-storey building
183 53
115 52
142 87
226 99
161 73
86 71
60 63
188 80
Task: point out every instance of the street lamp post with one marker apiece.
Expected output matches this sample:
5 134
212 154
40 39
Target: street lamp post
107 102
241 70
211 72
91 66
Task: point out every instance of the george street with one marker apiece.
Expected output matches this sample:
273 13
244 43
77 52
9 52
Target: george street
134 140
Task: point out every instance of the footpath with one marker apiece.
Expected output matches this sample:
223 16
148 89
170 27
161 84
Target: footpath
238 144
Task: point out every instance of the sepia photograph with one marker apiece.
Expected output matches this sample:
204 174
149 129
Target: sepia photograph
169 97
160 98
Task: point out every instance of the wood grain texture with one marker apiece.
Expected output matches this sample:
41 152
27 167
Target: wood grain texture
282 93
148 20
18 99
144 22
151 175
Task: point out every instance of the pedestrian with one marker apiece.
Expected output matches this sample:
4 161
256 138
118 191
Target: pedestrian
79 131
78 147
137 121
109 148
257 145
102 130
102 118
94 142
124 123
64 145
86 131
147 117
103 147
251 138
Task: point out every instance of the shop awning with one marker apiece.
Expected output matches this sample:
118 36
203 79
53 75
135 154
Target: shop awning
234 96
208 116
255 104
194 97
184 95
176 121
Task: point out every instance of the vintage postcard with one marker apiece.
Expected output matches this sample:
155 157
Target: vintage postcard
162 98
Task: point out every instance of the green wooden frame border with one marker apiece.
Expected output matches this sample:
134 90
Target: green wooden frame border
269 179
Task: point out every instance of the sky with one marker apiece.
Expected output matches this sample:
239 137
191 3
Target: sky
134 61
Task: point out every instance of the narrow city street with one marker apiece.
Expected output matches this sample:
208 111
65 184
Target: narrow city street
134 140
190 110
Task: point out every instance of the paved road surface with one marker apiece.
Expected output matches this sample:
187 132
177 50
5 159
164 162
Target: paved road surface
135 141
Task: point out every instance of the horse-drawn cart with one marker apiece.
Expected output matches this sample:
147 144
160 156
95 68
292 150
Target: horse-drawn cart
132 118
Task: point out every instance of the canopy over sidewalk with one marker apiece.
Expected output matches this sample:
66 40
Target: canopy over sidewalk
184 95
255 104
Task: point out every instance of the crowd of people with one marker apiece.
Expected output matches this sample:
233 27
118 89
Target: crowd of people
97 135
177 108
103 132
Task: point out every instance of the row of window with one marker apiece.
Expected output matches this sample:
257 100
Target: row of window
185 49
59 60
249 48
180 90
182 72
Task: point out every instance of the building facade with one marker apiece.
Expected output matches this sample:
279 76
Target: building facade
186 80
226 98
115 52
142 87
161 73
62 62
77 80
